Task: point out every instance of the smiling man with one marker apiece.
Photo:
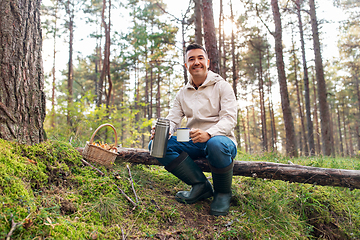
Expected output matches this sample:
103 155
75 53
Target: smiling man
209 104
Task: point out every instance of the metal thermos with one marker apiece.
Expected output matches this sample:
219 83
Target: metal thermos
159 144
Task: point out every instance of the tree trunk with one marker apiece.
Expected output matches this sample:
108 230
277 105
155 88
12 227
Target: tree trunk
306 149
107 50
22 99
285 102
310 127
184 52
248 129
210 35
54 67
340 134
321 84
267 170
262 104
198 22
220 37
70 12
316 120
244 131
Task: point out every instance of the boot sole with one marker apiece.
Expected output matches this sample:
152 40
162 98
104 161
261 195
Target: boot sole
201 197
216 213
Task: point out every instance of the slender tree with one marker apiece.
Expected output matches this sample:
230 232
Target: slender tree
309 125
285 102
321 85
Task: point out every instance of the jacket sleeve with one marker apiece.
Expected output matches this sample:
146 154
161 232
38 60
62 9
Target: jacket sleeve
176 114
227 112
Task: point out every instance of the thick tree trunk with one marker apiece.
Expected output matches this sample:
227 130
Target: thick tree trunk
267 170
210 35
321 85
22 99
285 102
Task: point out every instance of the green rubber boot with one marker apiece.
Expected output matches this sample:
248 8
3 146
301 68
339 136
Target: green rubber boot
222 179
184 168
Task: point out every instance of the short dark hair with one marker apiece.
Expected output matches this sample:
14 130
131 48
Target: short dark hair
195 46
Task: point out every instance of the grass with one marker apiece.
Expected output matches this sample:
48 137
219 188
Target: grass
53 195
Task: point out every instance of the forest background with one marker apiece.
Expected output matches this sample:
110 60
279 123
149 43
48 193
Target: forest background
133 50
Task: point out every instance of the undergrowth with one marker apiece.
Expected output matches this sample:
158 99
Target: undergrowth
52 195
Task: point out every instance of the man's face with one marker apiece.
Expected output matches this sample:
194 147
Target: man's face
197 63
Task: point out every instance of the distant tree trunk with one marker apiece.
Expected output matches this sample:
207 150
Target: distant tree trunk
271 110
345 132
340 134
321 84
22 99
244 131
358 112
285 102
210 35
351 146
316 120
158 97
184 52
310 127
220 38
53 68
234 72
262 104
306 150
107 55
248 129
70 12
198 22
151 87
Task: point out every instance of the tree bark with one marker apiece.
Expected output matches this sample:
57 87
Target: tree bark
22 99
285 102
70 12
306 149
321 84
310 127
267 170
198 22
210 35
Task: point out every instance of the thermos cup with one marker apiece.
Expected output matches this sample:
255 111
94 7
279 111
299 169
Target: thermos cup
159 144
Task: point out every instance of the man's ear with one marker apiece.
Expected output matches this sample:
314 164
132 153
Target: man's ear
186 66
208 63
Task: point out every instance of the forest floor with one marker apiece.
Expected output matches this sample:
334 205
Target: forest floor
46 192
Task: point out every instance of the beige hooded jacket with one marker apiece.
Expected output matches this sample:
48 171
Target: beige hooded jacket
211 108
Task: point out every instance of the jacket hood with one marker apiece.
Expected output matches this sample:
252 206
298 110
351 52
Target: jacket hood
211 79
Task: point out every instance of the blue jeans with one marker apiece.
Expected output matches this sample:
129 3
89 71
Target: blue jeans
219 150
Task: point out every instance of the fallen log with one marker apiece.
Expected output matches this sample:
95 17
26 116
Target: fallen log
265 170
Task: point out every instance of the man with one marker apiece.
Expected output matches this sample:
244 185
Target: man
209 104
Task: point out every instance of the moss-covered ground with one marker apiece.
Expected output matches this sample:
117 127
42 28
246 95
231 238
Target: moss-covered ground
48 193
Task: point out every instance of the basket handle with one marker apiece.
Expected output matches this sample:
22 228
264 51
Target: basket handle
104 125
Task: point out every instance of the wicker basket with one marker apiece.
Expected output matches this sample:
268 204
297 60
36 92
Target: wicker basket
97 154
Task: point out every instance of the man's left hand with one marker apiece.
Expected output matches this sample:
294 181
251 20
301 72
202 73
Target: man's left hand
198 135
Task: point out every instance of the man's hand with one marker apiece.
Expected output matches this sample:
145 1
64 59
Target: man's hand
153 133
198 135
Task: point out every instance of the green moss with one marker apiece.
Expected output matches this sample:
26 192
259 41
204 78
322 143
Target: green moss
64 199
